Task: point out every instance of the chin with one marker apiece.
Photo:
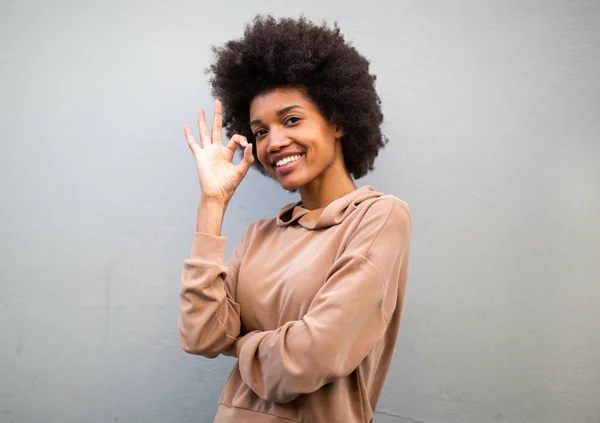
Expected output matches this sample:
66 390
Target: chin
293 183
290 186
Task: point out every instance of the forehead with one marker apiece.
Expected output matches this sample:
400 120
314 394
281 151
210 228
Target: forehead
274 100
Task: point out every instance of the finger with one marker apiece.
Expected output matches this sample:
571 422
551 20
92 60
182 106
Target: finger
204 136
243 166
235 141
217 127
187 131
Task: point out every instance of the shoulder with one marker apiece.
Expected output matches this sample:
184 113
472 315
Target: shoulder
385 222
385 212
260 228
383 235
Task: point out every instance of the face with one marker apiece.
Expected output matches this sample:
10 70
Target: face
294 142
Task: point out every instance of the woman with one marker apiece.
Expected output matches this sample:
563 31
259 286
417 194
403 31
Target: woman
310 302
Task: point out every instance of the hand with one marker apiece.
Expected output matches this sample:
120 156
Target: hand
218 176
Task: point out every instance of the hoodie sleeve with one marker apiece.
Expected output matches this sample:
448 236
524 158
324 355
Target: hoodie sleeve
209 319
345 320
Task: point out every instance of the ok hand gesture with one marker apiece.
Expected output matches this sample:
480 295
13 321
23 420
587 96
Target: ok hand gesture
217 174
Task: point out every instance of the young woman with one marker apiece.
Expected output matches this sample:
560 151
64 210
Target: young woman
310 302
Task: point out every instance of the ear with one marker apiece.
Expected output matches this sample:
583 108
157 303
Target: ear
339 132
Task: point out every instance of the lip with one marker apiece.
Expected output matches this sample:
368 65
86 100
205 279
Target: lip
276 157
288 167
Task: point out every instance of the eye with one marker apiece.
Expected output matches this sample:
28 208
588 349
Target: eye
259 133
291 120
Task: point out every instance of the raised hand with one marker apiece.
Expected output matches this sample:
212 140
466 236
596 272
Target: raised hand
217 174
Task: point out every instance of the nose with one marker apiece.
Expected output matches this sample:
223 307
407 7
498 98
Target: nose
276 141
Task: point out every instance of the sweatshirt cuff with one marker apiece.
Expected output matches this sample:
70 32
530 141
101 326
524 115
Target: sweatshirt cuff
239 343
209 247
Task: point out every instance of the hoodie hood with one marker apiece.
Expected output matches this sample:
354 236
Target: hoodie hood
333 214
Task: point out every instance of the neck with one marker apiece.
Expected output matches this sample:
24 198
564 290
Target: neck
331 185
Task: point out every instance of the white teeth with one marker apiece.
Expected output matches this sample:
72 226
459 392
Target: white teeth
287 160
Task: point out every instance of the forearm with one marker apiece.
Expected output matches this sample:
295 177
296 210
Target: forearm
209 317
210 216
347 318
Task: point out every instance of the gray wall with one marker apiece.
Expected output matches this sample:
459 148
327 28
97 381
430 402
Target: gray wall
492 109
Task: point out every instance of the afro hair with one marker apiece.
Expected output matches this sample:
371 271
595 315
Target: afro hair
316 59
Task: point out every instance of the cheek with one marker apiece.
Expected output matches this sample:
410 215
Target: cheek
328 151
261 153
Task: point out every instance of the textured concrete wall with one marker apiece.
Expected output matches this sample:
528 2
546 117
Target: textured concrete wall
492 109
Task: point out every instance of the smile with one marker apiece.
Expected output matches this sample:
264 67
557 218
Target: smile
287 164
287 160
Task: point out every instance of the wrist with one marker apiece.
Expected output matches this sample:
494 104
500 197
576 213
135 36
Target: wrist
213 202
210 216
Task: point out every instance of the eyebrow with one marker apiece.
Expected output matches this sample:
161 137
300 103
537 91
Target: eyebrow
279 112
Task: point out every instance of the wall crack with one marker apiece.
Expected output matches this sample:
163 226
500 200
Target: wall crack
399 416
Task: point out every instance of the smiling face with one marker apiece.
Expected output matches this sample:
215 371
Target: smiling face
295 144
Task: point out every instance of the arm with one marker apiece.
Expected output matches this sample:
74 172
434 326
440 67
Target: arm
347 317
209 319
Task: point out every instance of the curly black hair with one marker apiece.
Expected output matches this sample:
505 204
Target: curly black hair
314 58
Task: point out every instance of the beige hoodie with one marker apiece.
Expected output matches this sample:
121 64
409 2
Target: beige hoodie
311 308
